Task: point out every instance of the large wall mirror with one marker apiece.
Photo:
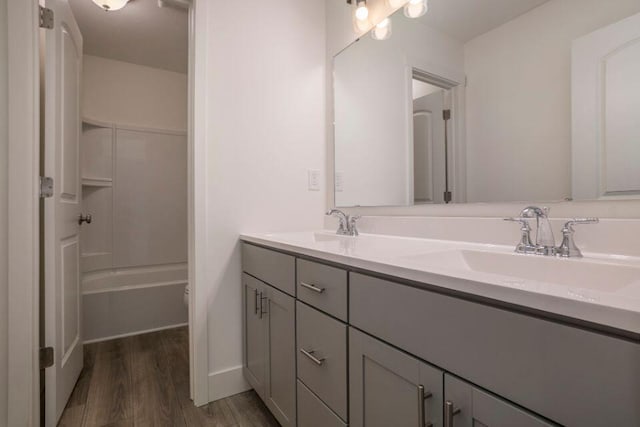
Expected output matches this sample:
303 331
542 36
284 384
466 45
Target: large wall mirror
491 101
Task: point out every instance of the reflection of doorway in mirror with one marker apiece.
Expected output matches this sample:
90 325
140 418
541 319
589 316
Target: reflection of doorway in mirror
430 181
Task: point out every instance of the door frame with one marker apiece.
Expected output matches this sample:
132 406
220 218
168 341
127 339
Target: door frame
23 211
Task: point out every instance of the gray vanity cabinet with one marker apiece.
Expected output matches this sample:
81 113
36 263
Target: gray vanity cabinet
390 388
468 406
269 347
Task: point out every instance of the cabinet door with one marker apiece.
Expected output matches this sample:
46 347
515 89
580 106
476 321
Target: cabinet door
467 406
280 392
390 388
254 334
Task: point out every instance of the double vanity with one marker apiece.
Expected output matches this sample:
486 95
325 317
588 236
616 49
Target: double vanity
381 330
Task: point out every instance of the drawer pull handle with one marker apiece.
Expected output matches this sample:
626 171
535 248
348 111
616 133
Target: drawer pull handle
262 310
255 301
310 355
449 412
314 288
422 415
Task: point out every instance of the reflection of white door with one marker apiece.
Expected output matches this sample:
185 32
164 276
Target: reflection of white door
606 106
62 293
429 148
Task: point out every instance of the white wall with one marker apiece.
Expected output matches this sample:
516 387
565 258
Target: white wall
3 213
259 113
130 94
519 100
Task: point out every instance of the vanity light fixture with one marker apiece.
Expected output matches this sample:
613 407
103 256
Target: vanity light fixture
111 5
415 8
362 12
382 31
360 15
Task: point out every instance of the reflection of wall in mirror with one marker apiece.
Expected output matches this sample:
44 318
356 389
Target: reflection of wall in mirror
373 109
519 100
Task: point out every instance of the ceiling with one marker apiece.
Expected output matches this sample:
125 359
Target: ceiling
141 33
467 19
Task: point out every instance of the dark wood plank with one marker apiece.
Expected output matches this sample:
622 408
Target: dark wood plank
250 411
109 398
154 397
72 416
176 347
143 381
81 390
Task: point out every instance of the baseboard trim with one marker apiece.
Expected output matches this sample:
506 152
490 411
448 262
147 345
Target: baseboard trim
130 334
226 383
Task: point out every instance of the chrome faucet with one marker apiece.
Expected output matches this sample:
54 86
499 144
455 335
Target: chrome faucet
545 241
348 223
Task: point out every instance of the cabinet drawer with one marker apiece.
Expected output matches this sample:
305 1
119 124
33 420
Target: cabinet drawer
572 376
274 268
312 412
322 356
323 287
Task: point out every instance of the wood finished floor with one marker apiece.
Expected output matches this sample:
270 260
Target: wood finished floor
144 381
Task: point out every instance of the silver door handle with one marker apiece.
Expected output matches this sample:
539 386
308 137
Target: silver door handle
422 413
262 298
84 218
449 412
314 288
310 355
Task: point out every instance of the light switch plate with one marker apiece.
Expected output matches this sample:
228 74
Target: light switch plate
314 180
339 183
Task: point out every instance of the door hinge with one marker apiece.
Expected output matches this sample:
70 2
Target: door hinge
446 114
46 18
448 196
46 357
46 187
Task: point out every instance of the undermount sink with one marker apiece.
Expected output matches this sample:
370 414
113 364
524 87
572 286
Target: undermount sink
581 273
311 237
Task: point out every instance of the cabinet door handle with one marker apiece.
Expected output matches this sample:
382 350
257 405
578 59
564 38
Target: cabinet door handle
422 413
255 301
262 311
310 355
449 412
314 288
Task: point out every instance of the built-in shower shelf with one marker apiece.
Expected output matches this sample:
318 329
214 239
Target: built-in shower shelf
97 182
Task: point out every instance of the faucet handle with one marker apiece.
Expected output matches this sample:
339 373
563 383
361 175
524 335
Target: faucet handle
578 221
524 246
524 223
353 228
568 248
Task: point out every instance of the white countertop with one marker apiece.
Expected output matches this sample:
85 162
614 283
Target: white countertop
599 288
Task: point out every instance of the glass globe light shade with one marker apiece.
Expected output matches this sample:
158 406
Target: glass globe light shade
111 5
415 8
382 31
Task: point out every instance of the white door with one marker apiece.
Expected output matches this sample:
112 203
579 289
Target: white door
429 148
605 112
62 293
